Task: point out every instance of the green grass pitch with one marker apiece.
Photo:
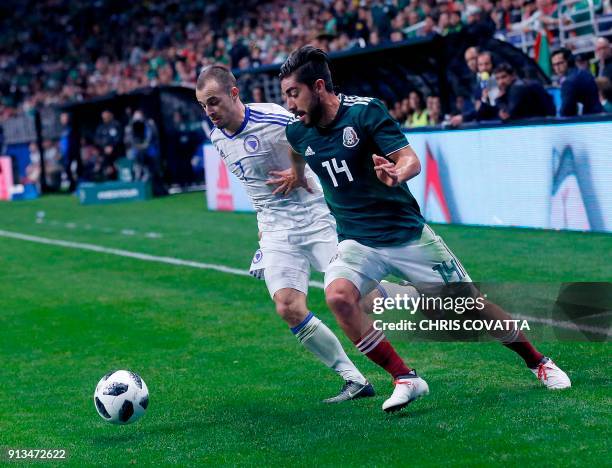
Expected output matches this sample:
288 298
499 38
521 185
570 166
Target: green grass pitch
228 382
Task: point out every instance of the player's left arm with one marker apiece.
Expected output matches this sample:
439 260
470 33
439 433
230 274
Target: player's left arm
404 165
400 162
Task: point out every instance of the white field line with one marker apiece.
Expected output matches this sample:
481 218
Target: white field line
129 254
40 219
565 324
235 271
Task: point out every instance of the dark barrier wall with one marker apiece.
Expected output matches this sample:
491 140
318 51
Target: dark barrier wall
431 66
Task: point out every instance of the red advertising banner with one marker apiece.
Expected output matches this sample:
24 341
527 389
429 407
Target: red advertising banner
6 177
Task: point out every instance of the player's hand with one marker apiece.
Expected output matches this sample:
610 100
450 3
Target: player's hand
385 171
287 182
456 120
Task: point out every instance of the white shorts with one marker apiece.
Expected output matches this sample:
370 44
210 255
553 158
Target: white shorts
287 256
426 260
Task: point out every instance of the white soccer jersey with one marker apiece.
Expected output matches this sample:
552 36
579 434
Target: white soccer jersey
258 147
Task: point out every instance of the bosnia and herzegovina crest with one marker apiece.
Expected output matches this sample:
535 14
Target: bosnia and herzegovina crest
573 204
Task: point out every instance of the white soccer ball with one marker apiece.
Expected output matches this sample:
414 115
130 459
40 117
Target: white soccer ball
121 397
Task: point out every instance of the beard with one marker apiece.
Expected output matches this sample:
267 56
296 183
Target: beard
315 110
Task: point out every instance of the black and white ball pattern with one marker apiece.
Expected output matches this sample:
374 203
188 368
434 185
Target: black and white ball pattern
121 397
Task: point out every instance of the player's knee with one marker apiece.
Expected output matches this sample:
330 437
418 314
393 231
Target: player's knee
290 309
341 302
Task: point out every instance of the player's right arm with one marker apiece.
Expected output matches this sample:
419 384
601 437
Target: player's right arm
290 179
293 178
298 164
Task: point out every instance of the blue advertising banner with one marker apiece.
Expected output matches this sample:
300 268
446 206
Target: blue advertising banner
539 176
550 176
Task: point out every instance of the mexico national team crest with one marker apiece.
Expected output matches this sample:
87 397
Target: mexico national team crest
251 144
349 137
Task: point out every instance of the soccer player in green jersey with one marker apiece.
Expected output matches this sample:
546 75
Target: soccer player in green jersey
363 160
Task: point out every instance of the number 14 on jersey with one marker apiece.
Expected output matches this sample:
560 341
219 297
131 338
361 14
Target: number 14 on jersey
334 169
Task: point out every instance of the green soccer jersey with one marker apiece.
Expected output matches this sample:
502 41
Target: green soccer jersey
365 209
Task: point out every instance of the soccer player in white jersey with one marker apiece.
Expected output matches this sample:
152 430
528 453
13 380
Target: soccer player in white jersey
297 232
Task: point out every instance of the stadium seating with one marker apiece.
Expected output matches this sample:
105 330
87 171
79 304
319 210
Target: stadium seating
57 51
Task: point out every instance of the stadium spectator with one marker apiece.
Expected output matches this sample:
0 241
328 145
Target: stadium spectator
397 36
362 26
374 39
541 15
402 110
459 105
141 143
505 14
69 149
487 89
92 162
603 55
109 139
471 59
434 111
579 95
518 99
604 85
468 108
456 24
411 27
418 114
479 23
53 166
382 12
259 94
428 29
582 62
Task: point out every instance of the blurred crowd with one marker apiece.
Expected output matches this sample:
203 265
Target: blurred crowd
114 152
55 51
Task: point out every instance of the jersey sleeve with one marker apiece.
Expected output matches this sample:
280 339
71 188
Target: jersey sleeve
385 131
292 136
279 136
